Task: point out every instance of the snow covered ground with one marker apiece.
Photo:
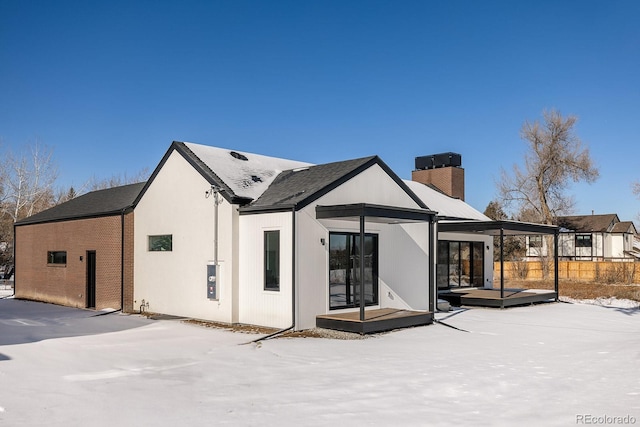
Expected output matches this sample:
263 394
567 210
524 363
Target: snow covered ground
538 365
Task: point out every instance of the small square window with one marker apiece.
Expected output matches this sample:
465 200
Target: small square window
161 243
57 257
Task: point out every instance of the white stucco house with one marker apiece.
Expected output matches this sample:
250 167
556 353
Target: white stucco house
236 237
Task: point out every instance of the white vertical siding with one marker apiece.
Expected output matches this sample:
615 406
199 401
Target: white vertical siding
617 245
312 268
258 306
398 245
371 186
567 244
404 266
175 282
403 249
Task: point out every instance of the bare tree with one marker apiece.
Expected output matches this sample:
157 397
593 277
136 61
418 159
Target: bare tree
495 211
636 190
117 180
26 188
513 246
555 158
28 179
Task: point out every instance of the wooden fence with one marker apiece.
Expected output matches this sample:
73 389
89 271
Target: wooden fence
592 271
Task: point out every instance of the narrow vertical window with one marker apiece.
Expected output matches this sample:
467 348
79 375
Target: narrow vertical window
272 260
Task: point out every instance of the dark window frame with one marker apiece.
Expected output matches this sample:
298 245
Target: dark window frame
582 239
271 267
352 298
535 242
158 243
57 258
444 264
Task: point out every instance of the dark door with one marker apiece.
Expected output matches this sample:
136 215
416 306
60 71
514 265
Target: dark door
91 279
344 270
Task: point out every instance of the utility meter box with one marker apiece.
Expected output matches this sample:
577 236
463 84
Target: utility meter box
212 280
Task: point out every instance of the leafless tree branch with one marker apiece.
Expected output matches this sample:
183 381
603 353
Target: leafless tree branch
556 157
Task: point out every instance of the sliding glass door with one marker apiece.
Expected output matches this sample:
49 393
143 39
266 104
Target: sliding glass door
345 256
460 264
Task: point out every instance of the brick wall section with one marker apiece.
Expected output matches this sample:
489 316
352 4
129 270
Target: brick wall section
66 284
128 262
450 180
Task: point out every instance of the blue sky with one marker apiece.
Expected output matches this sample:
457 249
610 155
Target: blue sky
109 85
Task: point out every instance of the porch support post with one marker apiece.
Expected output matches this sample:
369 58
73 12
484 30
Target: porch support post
361 256
555 258
433 295
501 262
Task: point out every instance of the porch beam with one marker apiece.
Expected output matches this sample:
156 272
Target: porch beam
379 213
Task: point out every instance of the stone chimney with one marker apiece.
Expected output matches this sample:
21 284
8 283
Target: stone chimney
443 171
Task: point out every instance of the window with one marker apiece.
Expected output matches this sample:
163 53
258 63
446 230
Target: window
583 240
161 243
57 257
272 260
535 241
344 270
460 264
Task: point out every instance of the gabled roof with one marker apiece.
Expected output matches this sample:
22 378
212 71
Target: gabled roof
588 223
624 227
112 201
446 206
242 176
296 188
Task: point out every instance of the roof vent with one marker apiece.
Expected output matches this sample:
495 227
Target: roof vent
238 156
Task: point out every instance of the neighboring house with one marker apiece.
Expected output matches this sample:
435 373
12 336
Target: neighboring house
79 253
590 238
236 237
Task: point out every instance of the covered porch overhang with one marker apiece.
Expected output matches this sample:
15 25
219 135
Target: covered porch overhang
378 320
506 297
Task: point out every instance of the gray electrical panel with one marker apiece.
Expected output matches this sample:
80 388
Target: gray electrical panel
212 281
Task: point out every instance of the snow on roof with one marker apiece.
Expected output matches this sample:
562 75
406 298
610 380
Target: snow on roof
446 206
246 174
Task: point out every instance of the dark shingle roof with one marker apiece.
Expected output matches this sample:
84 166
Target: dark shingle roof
299 187
588 223
624 227
94 204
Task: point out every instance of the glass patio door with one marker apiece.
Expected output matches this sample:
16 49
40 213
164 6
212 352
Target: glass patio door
345 256
460 264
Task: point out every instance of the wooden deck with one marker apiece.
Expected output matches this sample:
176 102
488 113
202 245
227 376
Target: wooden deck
379 320
491 297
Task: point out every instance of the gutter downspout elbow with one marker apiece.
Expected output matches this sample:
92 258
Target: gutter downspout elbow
122 248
